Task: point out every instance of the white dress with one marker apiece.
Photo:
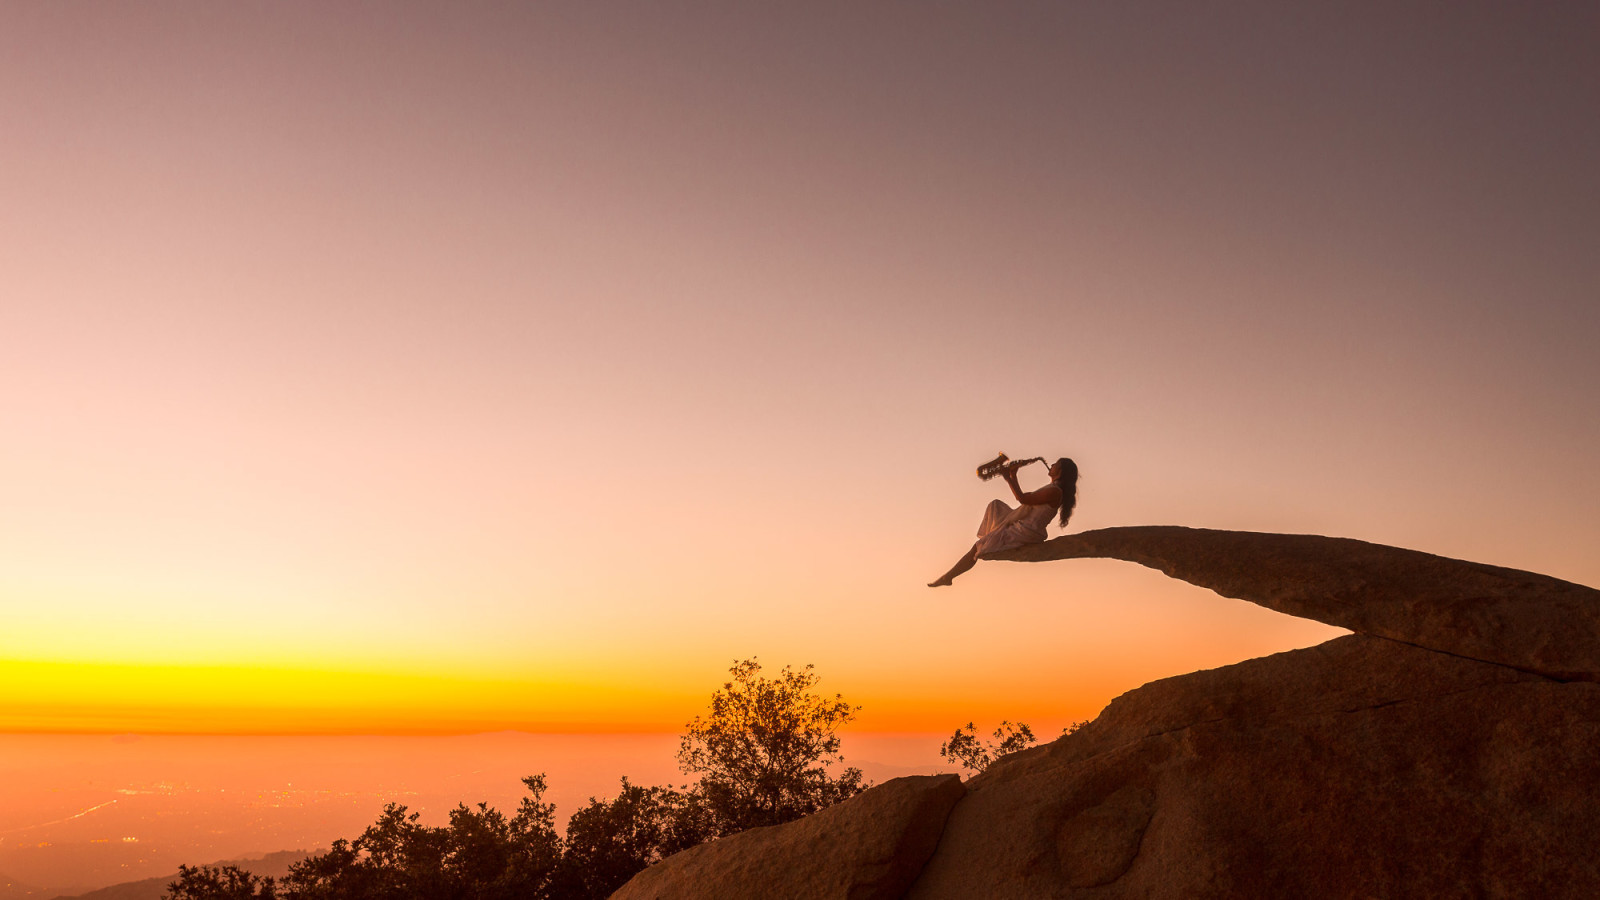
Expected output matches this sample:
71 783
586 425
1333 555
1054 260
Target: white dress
1005 528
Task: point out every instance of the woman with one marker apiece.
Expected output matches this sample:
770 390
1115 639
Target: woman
1005 528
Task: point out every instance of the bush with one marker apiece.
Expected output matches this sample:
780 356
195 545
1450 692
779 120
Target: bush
965 750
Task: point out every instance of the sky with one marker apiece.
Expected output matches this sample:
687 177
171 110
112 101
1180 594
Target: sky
407 368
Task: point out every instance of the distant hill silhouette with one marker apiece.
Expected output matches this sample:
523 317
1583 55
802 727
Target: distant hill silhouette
273 864
12 889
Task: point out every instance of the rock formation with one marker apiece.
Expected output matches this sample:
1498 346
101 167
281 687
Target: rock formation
1514 618
869 848
1359 768
1449 748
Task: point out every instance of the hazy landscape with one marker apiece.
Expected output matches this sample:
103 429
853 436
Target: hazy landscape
79 812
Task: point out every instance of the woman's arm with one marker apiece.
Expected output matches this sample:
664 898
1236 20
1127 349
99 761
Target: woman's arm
1048 495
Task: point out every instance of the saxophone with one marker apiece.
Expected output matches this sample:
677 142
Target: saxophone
1003 463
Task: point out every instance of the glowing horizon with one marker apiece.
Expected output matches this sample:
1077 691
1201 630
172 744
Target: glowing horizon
281 697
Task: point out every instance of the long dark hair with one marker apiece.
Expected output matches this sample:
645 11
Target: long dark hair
1068 482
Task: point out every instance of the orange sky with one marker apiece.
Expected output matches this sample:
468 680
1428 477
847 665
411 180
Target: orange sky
452 368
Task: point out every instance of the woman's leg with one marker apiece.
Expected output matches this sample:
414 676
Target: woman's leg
996 514
962 565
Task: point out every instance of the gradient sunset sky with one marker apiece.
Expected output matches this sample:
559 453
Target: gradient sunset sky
399 367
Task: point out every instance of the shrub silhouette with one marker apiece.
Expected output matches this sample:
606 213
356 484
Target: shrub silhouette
964 748
610 841
226 883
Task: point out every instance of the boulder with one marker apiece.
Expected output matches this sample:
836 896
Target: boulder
870 847
1519 619
1360 768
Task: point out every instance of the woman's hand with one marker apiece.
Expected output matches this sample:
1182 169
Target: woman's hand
1047 495
1009 473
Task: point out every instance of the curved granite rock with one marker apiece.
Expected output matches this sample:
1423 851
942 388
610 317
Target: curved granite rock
1520 619
1361 767
870 847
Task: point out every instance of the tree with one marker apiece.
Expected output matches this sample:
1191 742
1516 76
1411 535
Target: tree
609 841
764 750
967 751
763 753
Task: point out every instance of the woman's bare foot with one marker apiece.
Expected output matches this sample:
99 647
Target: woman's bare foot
966 562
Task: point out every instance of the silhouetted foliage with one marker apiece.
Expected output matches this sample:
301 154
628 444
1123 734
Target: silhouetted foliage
609 841
480 855
965 750
764 751
226 883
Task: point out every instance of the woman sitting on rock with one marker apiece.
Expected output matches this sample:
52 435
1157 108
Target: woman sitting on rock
1005 528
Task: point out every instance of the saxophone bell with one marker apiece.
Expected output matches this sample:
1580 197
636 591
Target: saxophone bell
993 467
